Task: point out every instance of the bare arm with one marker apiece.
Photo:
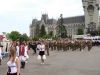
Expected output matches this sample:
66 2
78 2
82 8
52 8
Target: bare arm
18 66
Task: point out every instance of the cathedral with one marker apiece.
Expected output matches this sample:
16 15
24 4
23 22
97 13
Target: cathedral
90 21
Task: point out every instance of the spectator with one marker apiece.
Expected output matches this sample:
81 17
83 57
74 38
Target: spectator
13 63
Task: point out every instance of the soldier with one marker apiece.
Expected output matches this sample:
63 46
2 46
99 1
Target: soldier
72 45
55 44
47 47
69 44
61 44
64 45
89 45
58 45
80 45
51 45
77 44
84 44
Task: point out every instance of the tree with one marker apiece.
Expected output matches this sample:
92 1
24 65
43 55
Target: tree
51 34
36 38
80 31
23 37
98 30
94 32
42 31
37 30
14 35
62 32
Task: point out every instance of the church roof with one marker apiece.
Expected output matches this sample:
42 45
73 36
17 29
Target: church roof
76 19
38 22
51 21
68 20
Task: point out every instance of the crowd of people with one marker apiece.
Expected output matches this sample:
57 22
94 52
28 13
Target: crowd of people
63 44
18 55
18 51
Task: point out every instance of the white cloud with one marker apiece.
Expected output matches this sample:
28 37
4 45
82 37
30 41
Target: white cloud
18 14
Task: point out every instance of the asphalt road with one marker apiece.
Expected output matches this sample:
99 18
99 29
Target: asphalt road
62 63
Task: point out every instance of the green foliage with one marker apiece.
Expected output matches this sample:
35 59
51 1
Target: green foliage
37 30
62 32
94 33
14 35
50 34
42 31
55 38
36 38
98 30
23 37
80 31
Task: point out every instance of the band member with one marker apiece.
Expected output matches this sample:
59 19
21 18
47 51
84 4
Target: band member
89 45
26 52
17 49
42 52
22 55
13 63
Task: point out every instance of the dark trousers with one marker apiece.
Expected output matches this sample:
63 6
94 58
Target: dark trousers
22 64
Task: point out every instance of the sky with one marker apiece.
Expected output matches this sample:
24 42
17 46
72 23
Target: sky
17 15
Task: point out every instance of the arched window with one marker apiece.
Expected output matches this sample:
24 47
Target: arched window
90 8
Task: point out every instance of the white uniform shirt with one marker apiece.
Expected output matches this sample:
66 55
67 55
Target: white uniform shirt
42 47
38 47
26 50
12 65
17 50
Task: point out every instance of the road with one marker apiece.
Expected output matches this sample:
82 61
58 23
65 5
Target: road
62 63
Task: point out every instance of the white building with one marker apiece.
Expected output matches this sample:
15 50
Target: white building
91 11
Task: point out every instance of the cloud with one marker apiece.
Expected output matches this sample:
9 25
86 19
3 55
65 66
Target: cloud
36 7
18 14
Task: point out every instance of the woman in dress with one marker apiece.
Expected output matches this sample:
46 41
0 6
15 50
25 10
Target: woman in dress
13 63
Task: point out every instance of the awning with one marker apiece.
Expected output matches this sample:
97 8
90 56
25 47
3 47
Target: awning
1 37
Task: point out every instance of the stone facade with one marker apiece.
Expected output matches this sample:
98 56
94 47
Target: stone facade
72 24
50 25
91 11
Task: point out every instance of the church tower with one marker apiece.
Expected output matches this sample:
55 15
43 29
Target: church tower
91 12
45 18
